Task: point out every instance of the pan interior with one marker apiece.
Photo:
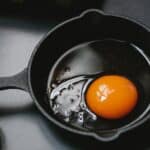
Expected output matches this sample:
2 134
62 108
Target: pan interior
89 61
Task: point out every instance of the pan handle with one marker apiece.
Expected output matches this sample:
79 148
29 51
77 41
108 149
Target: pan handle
18 81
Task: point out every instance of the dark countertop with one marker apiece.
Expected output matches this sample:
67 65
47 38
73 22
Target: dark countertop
22 125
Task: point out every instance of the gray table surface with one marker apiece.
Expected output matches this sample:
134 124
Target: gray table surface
22 126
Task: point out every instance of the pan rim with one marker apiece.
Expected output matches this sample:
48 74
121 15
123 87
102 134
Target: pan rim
42 110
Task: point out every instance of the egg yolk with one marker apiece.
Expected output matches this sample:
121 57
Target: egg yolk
111 96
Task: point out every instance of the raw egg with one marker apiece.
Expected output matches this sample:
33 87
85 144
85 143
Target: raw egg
111 96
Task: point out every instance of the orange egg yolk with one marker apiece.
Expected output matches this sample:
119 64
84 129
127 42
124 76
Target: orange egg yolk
111 96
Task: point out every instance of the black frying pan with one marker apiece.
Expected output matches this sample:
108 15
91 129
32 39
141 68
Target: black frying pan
90 25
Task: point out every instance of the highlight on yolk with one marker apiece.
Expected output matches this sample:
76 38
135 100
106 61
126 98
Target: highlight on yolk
111 96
